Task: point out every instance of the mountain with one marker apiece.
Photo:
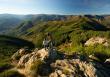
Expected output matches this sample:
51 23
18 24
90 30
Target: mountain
62 27
69 34
83 39
66 30
10 21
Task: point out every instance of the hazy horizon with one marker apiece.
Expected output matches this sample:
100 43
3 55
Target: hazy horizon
51 14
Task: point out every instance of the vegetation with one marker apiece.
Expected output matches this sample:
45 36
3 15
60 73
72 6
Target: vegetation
4 66
10 73
8 46
69 33
76 30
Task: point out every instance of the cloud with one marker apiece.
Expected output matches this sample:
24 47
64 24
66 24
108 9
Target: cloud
14 10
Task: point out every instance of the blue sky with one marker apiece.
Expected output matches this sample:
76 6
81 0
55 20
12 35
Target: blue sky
55 6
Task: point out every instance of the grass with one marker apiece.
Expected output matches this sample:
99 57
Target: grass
10 73
4 66
8 46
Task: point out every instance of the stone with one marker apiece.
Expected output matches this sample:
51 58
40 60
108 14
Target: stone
107 61
54 75
97 40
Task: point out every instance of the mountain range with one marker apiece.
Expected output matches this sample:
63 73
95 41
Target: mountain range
70 33
33 27
11 21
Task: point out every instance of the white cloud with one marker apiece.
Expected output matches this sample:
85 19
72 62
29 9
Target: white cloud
13 10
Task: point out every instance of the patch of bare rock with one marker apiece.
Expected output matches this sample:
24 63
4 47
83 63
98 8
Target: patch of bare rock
97 40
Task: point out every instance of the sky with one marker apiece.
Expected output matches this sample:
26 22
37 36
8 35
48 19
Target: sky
74 7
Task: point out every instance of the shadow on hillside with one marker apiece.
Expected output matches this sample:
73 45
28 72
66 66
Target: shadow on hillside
98 26
16 41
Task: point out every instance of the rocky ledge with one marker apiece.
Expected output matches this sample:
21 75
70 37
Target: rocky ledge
49 63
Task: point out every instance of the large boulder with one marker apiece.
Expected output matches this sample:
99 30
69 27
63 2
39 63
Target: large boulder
97 40
31 62
78 68
32 57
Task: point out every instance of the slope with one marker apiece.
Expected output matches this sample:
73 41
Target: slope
9 45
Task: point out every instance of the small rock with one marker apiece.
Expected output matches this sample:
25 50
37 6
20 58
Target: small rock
63 75
53 75
107 61
59 72
97 40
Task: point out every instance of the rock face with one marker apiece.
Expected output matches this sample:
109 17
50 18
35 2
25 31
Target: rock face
30 62
40 63
16 56
97 40
78 68
40 54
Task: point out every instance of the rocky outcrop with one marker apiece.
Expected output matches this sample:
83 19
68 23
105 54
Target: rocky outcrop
45 63
16 56
97 40
29 63
78 68
32 57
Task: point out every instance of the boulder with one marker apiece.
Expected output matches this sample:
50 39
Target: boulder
30 63
32 57
16 56
97 40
